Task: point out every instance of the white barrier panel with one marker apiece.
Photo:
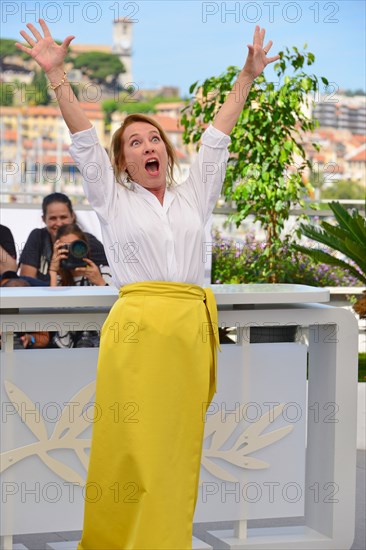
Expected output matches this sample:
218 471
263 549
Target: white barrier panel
263 456
253 460
46 408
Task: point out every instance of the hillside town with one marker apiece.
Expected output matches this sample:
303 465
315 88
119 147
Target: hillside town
35 140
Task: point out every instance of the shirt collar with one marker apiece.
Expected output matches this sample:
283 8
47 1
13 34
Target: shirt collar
151 198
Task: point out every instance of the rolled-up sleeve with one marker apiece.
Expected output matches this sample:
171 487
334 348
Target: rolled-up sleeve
207 173
95 167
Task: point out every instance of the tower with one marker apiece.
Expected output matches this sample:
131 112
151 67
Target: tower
122 46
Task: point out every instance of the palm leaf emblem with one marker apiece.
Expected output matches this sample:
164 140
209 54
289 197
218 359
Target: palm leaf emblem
71 424
250 440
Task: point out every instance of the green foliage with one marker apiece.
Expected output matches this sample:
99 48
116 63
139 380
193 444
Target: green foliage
99 66
128 104
6 94
362 367
35 93
39 86
8 49
109 106
344 189
137 107
264 173
162 99
247 262
317 179
347 237
352 93
75 89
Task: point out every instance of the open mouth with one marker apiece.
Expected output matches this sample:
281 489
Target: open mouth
152 167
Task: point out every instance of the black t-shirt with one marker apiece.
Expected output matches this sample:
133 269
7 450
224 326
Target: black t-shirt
7 241
38 249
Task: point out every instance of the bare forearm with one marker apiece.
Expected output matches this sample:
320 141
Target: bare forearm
53 277
73 115
229 113
7 262
28 271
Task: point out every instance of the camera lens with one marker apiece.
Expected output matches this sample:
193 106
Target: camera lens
78 249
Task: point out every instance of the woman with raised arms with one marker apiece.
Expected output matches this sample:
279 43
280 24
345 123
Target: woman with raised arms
157 360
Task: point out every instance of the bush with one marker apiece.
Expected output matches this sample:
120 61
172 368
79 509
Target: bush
362 367
246 262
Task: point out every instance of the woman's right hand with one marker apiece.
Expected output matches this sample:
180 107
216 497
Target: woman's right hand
59 253
44 50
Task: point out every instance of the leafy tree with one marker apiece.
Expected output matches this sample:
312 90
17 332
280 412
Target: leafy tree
317 180
109 106
344 189
99 66
40 86
352 93
8 49
264 174
127 104
75 89
137 107
6 94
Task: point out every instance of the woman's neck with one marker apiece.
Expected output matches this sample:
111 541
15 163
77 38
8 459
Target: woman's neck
159 193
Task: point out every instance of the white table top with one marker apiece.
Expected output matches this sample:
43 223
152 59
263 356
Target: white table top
97 296
269 294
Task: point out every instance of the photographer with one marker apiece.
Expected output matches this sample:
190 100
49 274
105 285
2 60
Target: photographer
70 266
36 255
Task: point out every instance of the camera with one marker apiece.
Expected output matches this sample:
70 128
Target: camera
77 250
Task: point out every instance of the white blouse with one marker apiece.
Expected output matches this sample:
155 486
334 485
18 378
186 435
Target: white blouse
144 240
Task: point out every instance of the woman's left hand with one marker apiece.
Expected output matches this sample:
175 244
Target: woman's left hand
257 58
91 272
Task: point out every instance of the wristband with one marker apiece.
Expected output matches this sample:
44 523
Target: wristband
32 341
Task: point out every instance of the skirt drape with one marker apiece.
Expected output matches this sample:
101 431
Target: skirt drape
156 377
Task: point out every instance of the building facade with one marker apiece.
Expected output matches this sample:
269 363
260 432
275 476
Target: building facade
122 46
34 143
342 112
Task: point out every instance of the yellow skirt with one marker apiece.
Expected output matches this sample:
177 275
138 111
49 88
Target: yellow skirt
156 377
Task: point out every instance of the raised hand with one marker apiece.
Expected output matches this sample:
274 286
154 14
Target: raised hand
257 58
44 49
256 61
50 57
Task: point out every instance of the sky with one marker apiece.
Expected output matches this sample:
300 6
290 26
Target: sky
177 43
